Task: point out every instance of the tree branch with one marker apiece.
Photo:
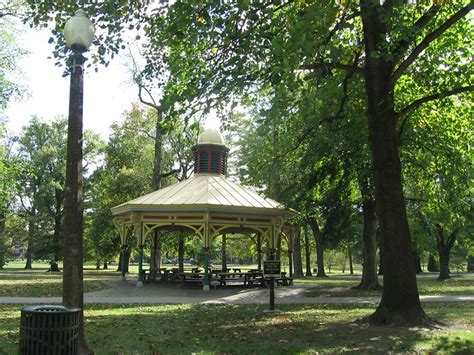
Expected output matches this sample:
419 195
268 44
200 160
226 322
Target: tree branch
417 103
426 42
418 25
326 66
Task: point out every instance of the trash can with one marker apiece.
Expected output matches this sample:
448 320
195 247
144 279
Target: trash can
49 330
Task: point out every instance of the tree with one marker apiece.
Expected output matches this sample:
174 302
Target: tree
125 174
243 46
42 150
220 51
9 169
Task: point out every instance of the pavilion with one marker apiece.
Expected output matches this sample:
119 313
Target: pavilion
208 204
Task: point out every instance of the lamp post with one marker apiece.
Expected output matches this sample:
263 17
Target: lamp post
79 34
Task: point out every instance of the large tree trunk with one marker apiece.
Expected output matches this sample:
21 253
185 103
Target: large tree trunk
307 247
297 262
400 302
318 236
106 265
370 279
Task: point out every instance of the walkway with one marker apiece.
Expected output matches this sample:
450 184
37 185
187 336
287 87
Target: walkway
125 292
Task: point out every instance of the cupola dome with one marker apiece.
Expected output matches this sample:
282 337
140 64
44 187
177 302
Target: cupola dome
210 153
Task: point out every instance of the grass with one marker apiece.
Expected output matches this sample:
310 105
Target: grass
235 329
42 288
341 287
15 281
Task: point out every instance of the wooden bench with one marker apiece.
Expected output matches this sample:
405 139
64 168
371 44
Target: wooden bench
284 281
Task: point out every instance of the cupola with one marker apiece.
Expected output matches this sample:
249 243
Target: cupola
210 153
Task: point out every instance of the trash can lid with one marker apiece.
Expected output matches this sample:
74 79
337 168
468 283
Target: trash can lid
50 309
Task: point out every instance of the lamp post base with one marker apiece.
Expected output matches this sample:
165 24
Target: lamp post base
206 288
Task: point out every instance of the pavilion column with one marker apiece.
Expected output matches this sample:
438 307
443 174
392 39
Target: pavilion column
138 225
124 261
205 250
206 269
140 266
259 250
290 262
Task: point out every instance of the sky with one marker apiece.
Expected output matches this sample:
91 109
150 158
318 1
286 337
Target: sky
107 93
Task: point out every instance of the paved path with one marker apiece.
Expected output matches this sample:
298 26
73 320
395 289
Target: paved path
125 292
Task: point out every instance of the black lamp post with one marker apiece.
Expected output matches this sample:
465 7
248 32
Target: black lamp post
79 34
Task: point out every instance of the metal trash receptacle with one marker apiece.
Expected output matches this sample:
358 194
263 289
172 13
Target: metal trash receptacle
49 330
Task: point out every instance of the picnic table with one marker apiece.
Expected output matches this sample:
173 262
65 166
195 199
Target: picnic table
247 278
155 275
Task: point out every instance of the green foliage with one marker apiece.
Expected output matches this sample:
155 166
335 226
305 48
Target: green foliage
10 53
42 153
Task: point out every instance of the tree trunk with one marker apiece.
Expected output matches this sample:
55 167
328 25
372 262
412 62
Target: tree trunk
380 260
432 264
106 265
443 264
417 258
3 247
319 247
97 264
158 153
444 245
297 262
307 247
119 266
370 279
181 252
400 303
351 266
31 237
28 264
127 261
56 239
54 267
223 252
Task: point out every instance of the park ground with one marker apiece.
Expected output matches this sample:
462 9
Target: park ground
192 325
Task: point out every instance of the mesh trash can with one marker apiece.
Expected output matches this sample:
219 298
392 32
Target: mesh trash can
49 330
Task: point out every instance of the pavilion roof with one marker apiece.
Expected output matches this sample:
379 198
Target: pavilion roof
202 192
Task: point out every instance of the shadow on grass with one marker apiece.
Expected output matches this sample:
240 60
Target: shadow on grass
242 329
456 346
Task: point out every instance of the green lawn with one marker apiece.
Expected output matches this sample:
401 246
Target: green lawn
246 329
341 287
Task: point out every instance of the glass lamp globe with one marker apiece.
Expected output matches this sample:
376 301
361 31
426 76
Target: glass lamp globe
79 31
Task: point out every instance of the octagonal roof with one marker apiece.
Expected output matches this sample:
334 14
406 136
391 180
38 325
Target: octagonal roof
203 192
